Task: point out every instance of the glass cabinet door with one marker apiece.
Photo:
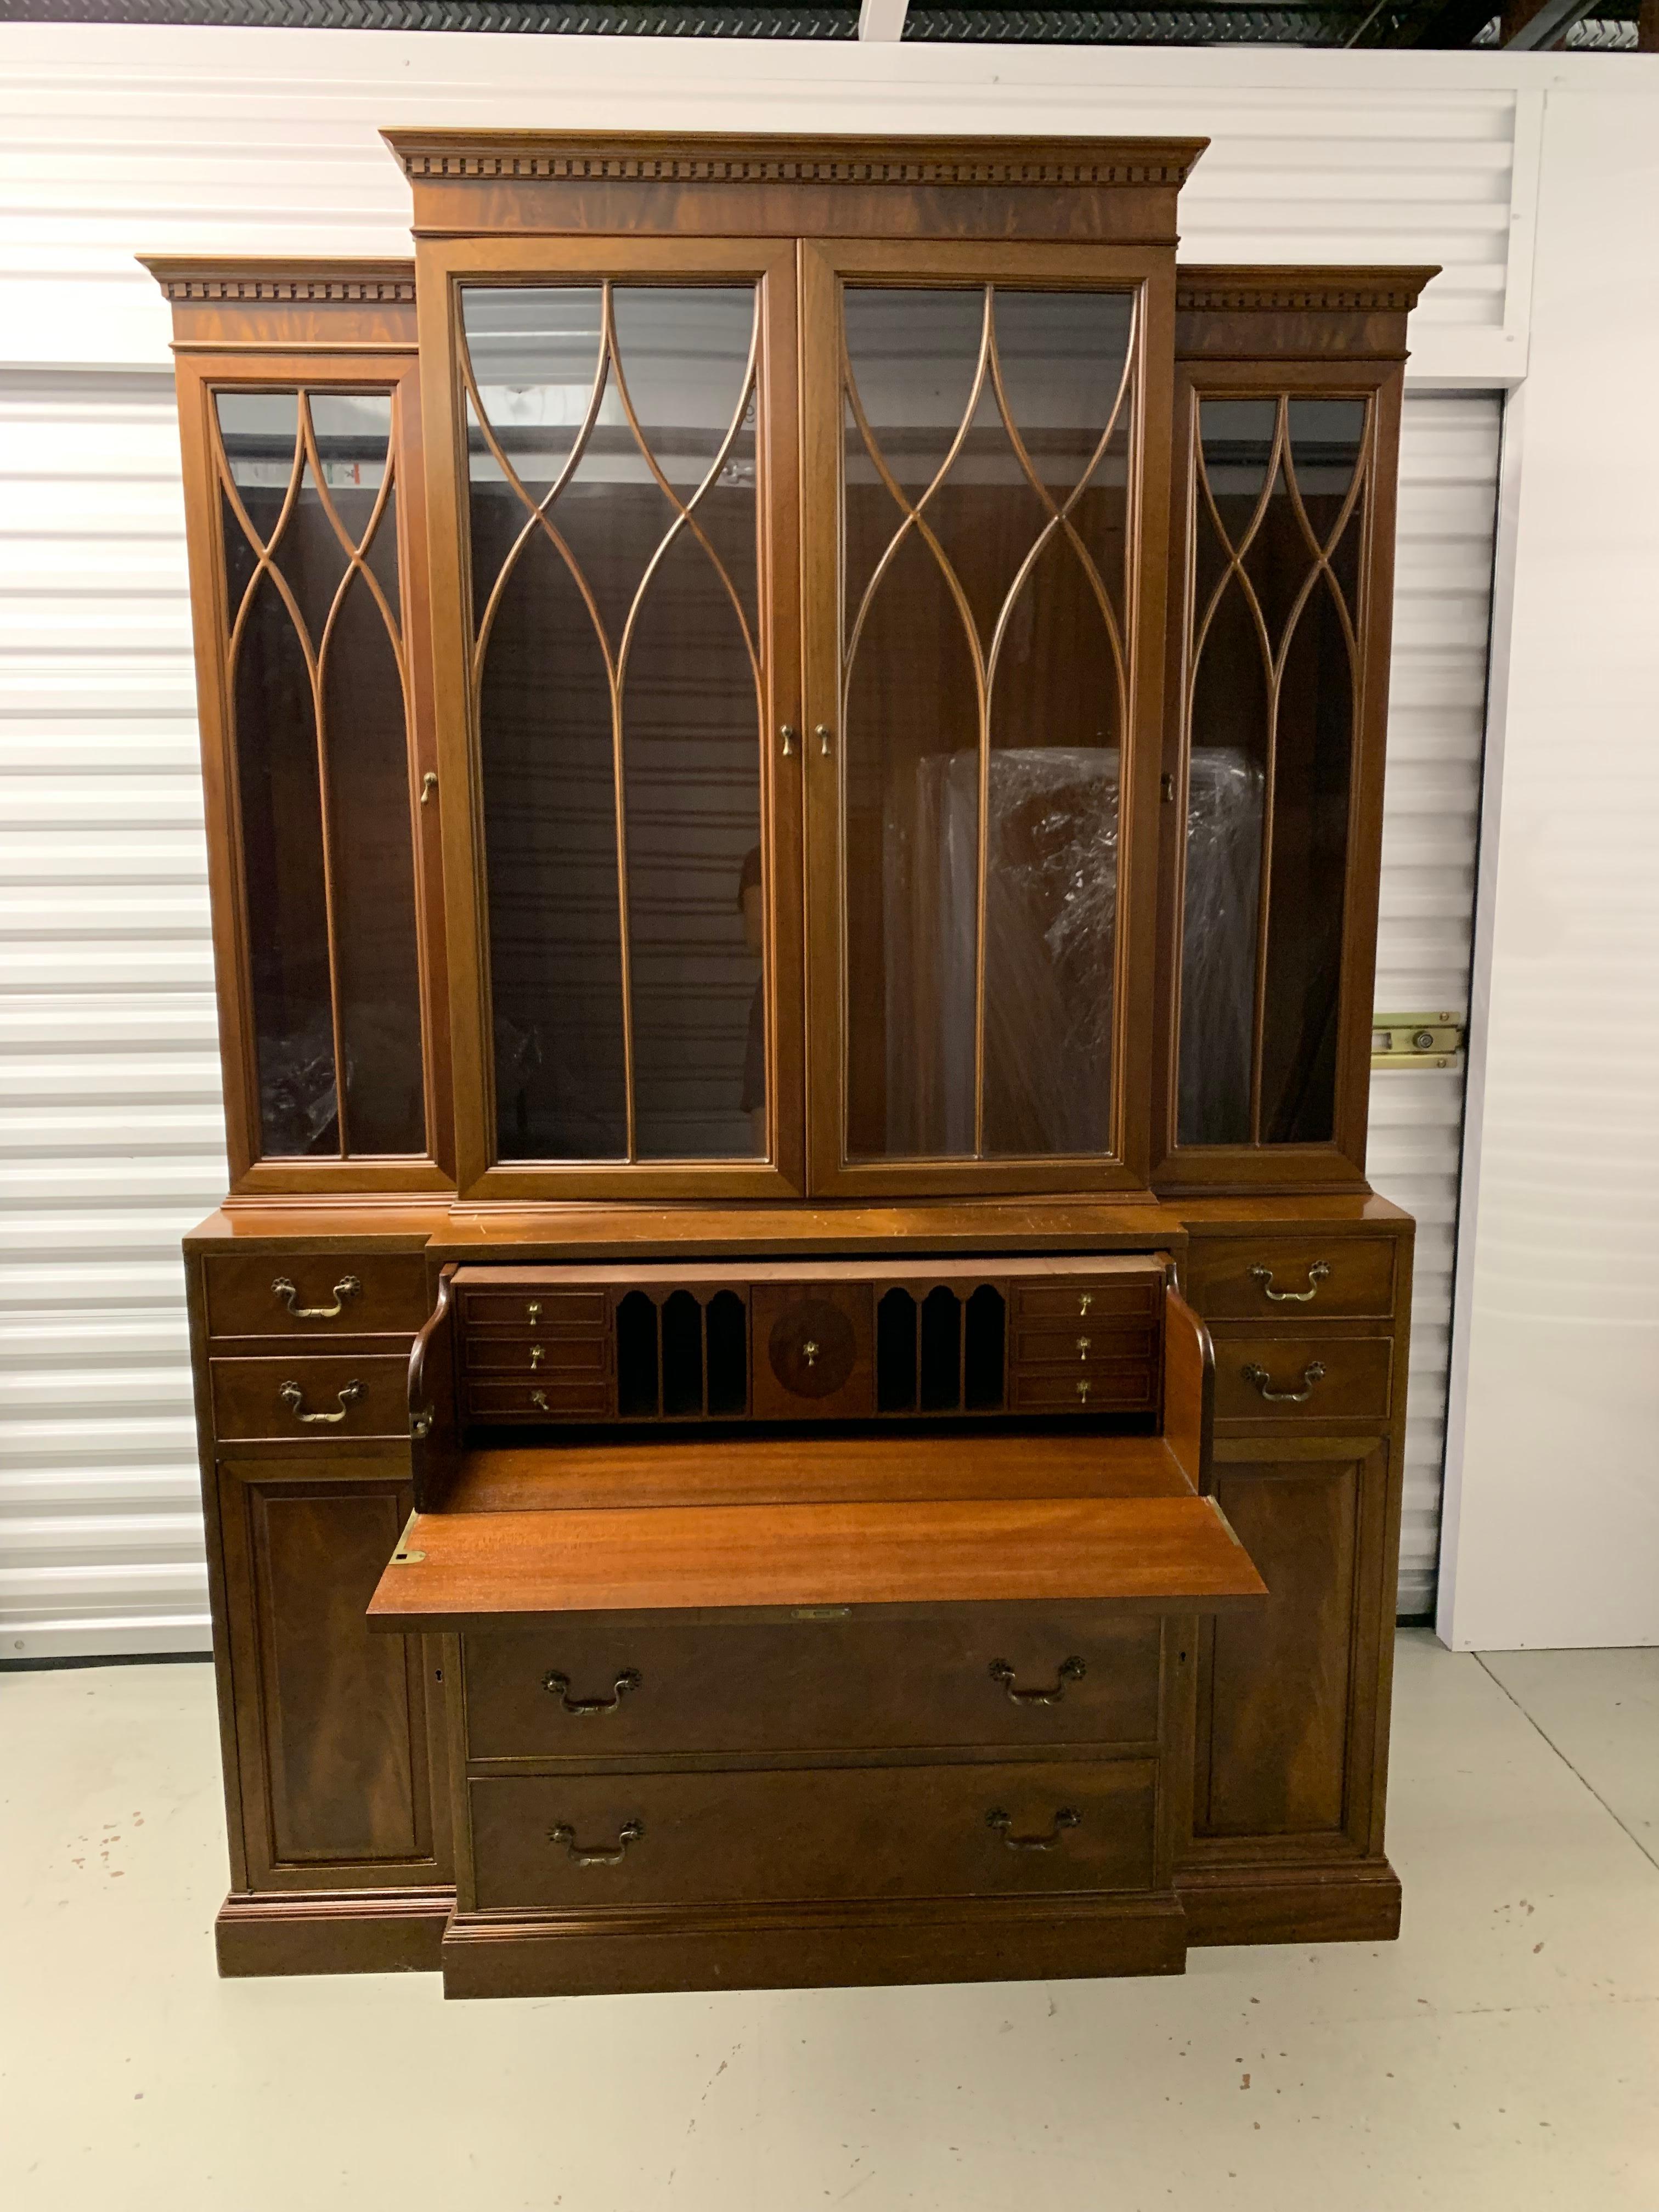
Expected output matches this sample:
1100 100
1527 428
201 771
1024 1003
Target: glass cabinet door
617 522
317 688
980 639
1274 649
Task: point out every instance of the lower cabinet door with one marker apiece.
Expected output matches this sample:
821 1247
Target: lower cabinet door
1289 1693
337 1730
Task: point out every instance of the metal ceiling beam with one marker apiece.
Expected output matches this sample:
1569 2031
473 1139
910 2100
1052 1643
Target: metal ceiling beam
883 19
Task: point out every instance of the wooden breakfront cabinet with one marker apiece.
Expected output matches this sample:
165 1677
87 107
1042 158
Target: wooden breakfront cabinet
800 1380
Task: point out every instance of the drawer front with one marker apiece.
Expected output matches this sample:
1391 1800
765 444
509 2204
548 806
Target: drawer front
563 1356
1083 1345
311 1398
1083 1297
316 1295
1291 1278
1036 1827
1115 1387
1307 1378
583 1690
558 1399
535 1312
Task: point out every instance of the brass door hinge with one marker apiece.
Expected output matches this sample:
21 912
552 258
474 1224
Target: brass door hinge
1416 1040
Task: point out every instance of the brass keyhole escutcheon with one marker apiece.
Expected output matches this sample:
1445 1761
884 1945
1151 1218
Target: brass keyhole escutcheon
812 1348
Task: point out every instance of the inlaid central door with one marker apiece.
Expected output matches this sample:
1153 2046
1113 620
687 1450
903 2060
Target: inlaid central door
979 556
624 419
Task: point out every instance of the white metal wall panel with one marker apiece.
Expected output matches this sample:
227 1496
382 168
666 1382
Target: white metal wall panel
1449 450
111 1130
117 139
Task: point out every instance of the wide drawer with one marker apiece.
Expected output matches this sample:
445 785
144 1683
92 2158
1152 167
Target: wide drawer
569 1399
1085 1297
1113 1385
536 1311
583 1689
584 1840
562 1355
1309 1378
316 1295
312 1398
1292 1278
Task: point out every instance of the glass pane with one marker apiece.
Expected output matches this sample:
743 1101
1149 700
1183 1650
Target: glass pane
615 521
309 636
1277 528
985 521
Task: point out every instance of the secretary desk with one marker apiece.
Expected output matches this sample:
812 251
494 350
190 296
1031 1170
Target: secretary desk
799 1381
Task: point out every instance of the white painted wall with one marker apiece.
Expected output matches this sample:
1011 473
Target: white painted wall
1551 1520
117 139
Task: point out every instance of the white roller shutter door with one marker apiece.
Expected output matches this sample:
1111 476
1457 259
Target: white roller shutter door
1431 821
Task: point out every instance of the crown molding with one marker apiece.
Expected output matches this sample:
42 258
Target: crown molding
1269 290
457 157
343 283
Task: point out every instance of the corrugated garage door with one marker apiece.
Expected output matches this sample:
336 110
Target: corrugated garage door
1437 691
110 1135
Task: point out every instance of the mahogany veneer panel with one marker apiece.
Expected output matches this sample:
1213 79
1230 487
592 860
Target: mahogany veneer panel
1176 1553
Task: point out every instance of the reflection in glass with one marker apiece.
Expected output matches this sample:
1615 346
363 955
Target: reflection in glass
308 509
614 563
1277 521
985 510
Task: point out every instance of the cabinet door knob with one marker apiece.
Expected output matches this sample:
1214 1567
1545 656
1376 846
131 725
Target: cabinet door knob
596 1853
294 1398
1316 1275
1312 1373
1064 1819
821 731
1069 1670
347 1287
787 734
429 787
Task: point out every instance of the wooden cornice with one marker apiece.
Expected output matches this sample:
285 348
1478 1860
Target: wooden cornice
284 283
463 156
1268 290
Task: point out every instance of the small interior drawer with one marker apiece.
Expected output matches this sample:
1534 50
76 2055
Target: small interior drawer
596 1839
1304 1277
556 1400
310 1398
561 1355
1086 1298
1084 1344
1113 1385
587 1689
316 1294
1304 1379
536 1311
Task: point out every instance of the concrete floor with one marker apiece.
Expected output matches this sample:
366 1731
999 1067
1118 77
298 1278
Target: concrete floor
1504 2055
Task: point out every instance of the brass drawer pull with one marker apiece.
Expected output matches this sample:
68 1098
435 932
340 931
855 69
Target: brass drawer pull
538 1400
1085 1299
1316 1275
538 1353
1070 1670
1082 1393
533 1311
294 1398
1065 1818
1083 1344
558 1686
347 1287
599 1854
1312 1373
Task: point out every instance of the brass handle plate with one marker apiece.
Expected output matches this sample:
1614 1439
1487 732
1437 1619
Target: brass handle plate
1312 1373
1069 1670
558 1686
1064 1819
347 1287
1316 1275
294 1398
587 1854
